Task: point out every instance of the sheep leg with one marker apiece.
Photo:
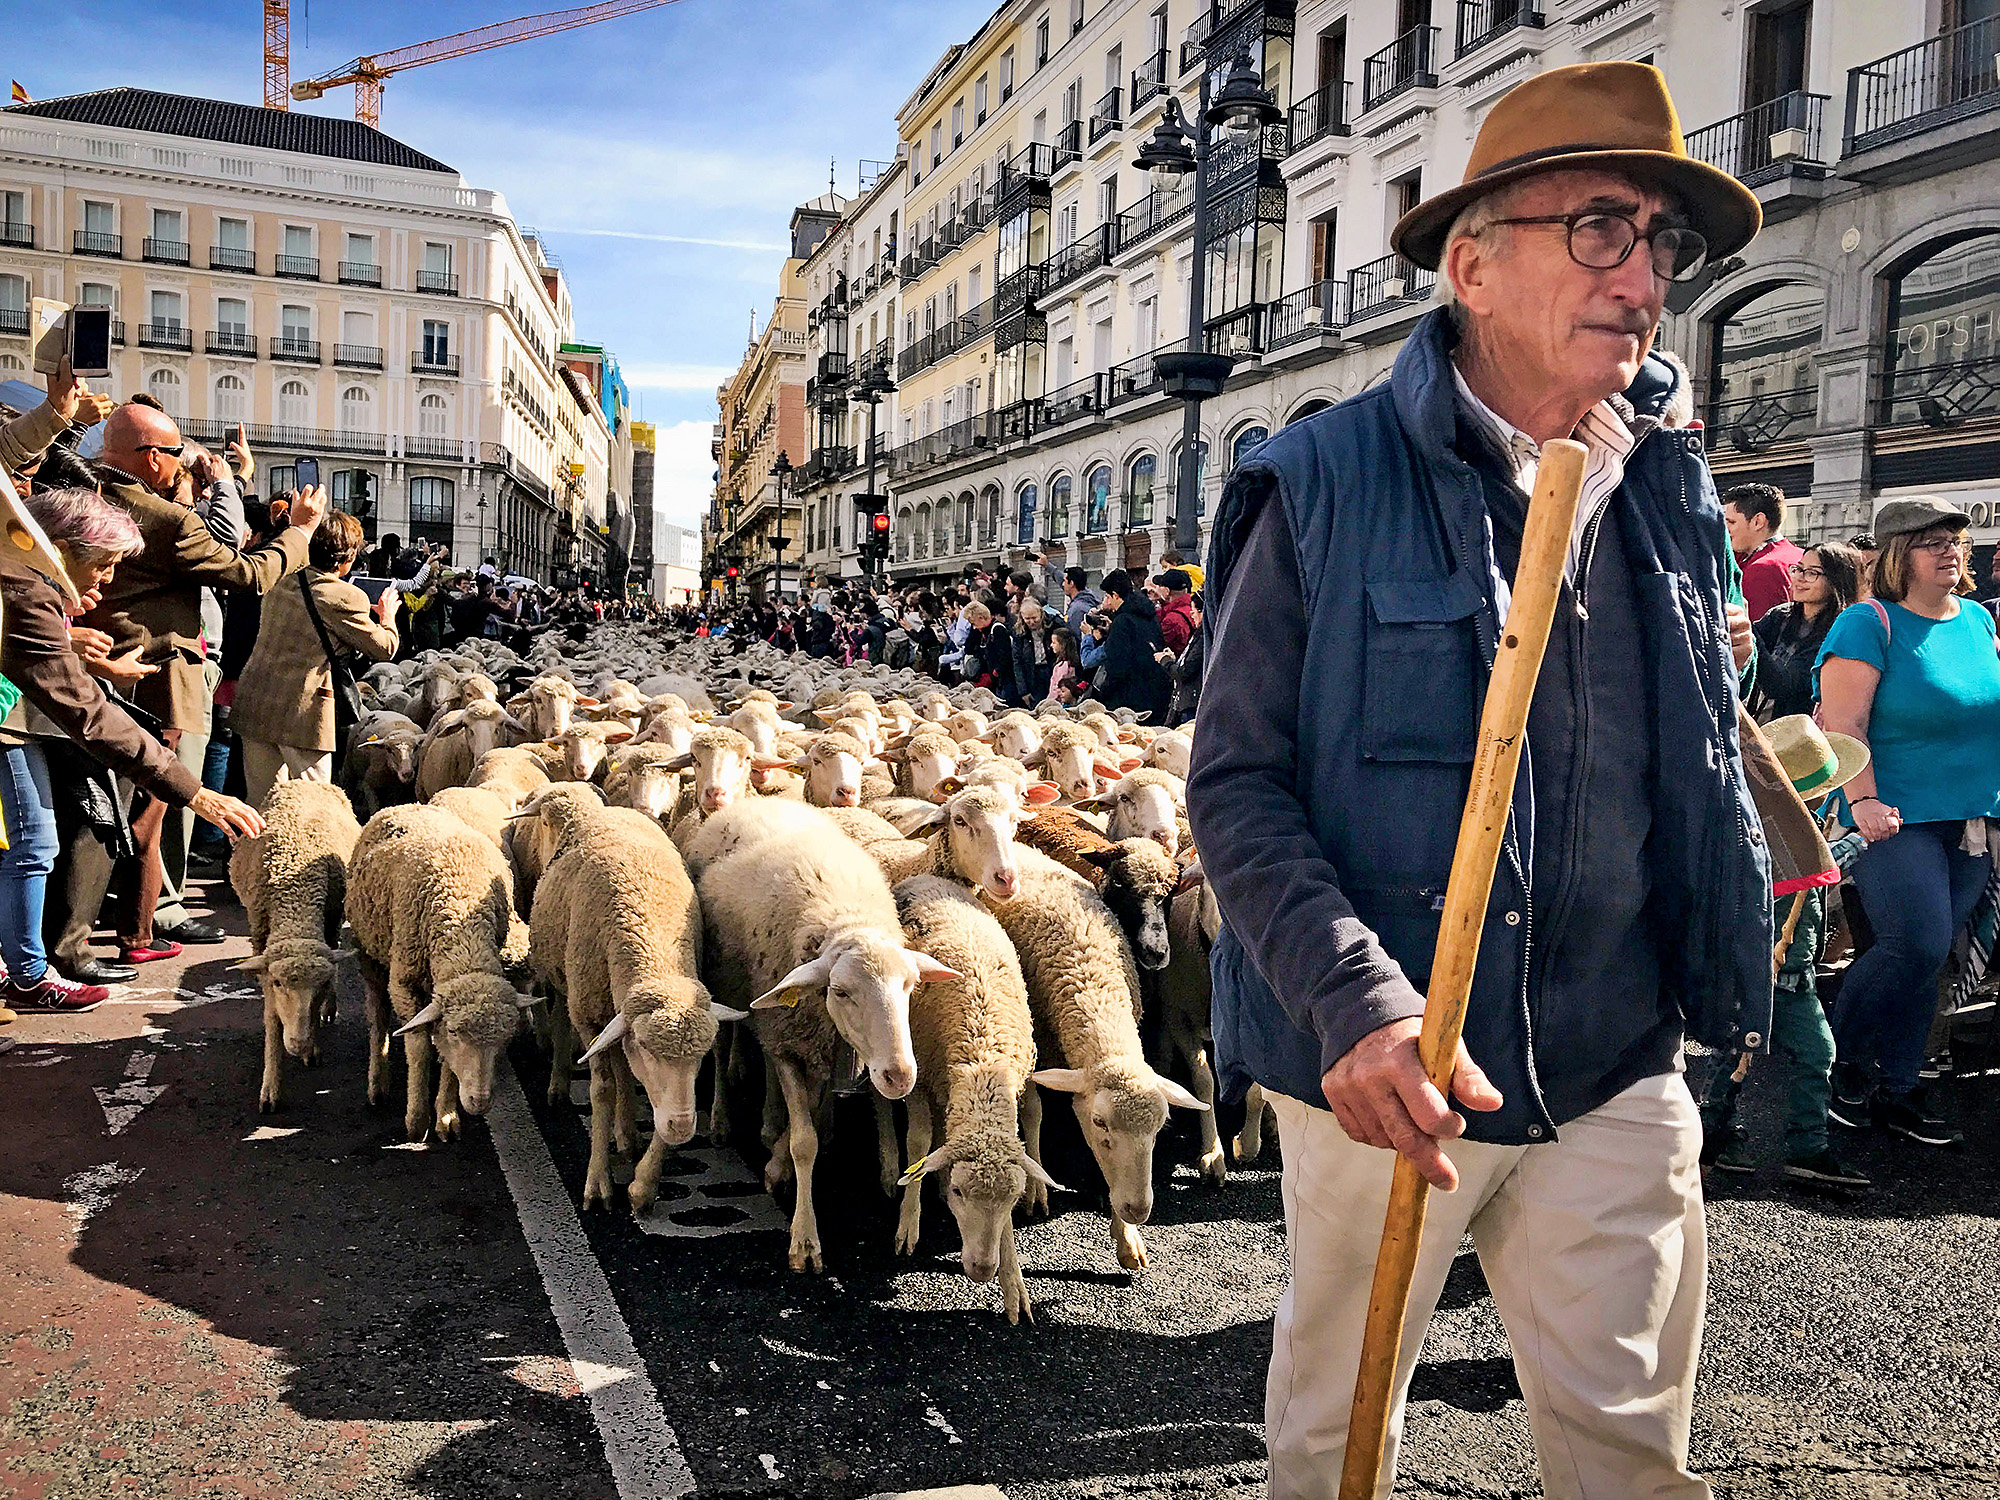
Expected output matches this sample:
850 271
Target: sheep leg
1187 1041
718 1101
624 1118
417 1112
646 1175
804 1140
1131 1245
886 1151
1036 1199
908 1223
377 1002
562 1049
1250 1143
447 1101
603 1090
774 1106
1013 1289
268 1098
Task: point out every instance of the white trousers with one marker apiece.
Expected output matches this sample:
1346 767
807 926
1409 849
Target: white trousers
266 764
1595 1249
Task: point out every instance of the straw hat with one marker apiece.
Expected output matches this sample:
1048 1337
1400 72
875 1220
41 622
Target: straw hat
1607 117
1817 761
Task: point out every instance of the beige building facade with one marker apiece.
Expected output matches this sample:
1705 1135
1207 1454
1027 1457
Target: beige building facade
342 295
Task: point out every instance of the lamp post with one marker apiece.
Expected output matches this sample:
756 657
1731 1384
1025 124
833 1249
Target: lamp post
874 386
1193 374
482 534
780 471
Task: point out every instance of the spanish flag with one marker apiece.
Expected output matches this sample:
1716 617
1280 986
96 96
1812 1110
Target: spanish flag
21 94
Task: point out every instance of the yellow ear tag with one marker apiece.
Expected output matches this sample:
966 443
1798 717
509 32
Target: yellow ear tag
916 1170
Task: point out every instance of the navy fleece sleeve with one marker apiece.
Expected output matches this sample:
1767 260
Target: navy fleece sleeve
1279 893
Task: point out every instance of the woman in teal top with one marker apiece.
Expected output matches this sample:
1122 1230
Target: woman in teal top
1914 673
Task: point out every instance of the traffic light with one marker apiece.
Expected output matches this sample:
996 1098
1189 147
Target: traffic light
875 547
732 570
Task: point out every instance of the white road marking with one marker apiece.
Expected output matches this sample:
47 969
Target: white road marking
644 1454
91 1190
936 1418
128 1101
272 1132
770 1463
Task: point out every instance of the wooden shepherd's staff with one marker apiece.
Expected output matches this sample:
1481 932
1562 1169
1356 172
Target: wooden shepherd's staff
1516 664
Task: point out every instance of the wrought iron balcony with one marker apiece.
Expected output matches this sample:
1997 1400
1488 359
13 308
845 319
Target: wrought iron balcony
289 439
297 267
360 273
1154 212
164 252
1032 165
1931 84
1320 114
1306 313
229 258
1941 395
1480 21
435 362
1082 255
443 283
1751 424
358 356
1764 143
232 341
1240 335
1139 377
301 351
1108 116
14 320
17 236
177 336
1075 402
433 447
1409 62
88 242
1149 80
1069 144
1385 282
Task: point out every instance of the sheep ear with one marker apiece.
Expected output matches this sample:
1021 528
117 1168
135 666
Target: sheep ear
678 763
336 955
614 1032
1104 859
586 702
1129 763
1092 804
1126 734
722 1012
424 1017
514 724
526 1002
1192 878
773 763
619 734
1040 1173
256 963
951 786
1176 1095
784 707
1065 1080
796 986
930 970
1042 793
930 819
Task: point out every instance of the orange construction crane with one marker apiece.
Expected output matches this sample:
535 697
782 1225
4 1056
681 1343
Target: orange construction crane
368 74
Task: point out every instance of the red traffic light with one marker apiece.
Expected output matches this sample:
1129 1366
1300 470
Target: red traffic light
880 521
732 572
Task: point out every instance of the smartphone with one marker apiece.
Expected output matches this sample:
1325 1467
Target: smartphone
305 474
90 340
234 463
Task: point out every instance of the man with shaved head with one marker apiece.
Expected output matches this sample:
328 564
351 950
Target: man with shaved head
153 603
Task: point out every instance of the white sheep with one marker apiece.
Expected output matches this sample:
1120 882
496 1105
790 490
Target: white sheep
969 838
1143 804
455 744
292 881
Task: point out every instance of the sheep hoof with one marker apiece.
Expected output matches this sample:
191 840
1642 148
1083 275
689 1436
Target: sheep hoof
1213 1167
805 1256
1246 1149
906 1239
597 1188
1131 1249
641 1196
558 1091
892 1184
777 1172
416 1127
447 1125
267 1102
1018 1305
1035 1201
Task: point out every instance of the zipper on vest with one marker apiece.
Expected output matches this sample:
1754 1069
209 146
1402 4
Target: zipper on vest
1583 560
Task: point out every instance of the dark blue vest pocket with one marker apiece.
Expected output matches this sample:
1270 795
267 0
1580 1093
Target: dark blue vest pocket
1420 697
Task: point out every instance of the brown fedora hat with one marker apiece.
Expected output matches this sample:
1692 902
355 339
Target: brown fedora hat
1607 117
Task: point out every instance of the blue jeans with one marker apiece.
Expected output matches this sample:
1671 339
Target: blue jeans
24 867
214 775
1918 889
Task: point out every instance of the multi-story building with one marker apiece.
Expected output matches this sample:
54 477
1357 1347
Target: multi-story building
341 294
676 563
1847 355
645 454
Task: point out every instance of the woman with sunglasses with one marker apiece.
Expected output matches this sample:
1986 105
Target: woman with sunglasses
1824 581
1914 674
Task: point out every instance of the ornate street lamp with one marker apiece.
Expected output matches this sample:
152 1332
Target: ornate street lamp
780 471
1243 107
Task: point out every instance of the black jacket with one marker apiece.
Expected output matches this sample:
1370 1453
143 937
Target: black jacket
1787 647
1128 677
1031 677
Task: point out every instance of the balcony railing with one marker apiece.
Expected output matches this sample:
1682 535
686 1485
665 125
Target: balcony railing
1233 155
1033 163
17 236
14 320
435 362
1016 422
1750 424
1760 143
166 336
1154 212
89 242
1930 84
1069 144
229 258
1083 255
288 439
1941 395
297 267
1240 335
360 273
443 283
1320 114
1138 377
1306 313
1075 402
1109 115
1384 282
942 342
1149 80
433 447
165 252
358 356
1480 21
1409 62
302 351
832 368
232 341
117 330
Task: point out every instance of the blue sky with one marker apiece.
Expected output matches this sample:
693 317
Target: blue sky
662 152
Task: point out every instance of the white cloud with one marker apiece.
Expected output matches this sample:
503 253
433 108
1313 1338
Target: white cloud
645 375
661 239
683 473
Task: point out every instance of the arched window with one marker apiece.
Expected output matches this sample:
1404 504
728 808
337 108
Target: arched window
11 362
294 404
432 418
431 506
962 533
1097 499
904 531
1245 440
165 388
1025 500
923 537
1942 336
1201 460
1140 477
1059 493
1308 409
356 410
1763 387
232 399
989 512
941 529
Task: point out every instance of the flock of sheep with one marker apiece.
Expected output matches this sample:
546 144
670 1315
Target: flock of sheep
665 851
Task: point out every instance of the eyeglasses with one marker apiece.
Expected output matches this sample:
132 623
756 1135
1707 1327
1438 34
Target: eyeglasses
1601 241
1938 546
174 452
1799 570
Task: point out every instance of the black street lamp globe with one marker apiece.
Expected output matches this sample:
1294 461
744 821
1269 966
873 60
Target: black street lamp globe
1167 156
1244 106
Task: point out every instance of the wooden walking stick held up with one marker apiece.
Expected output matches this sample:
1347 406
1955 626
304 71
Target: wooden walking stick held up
1516 664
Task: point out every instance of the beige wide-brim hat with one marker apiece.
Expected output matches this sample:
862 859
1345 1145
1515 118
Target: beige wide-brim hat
1818 761
1605 117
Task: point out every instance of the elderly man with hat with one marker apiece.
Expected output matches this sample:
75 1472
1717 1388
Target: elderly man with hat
1360 574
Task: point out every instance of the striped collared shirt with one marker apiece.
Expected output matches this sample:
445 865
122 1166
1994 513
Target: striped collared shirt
1606 436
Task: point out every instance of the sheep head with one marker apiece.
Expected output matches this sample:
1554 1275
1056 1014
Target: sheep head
1121 1105
866 978
724 763
833 764
479 1014
1140 882
987 1173
666 1036
1143 804
978 826
1015 735
297 977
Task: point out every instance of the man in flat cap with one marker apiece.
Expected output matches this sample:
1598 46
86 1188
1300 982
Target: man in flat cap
1359 578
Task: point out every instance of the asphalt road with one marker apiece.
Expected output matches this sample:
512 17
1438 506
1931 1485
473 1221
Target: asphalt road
213 1302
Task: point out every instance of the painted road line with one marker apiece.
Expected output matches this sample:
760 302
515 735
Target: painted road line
644 1454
